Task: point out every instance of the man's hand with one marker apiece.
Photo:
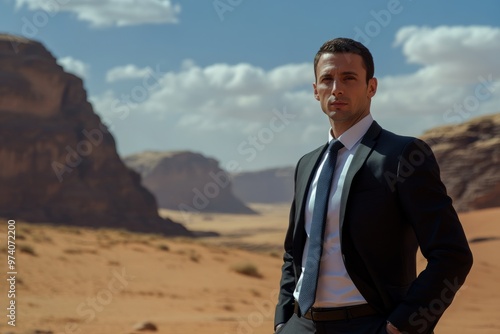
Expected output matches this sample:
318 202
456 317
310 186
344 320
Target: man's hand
391 329
278 327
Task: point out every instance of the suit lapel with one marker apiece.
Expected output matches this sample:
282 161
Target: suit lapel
362 153
304 178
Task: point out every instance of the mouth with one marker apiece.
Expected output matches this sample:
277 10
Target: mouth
337 104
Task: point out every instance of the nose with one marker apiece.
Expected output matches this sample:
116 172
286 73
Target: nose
337 88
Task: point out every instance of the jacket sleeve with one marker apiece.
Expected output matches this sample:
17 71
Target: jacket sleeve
285 305
428 208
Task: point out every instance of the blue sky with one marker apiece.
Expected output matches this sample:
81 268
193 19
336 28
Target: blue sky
232 78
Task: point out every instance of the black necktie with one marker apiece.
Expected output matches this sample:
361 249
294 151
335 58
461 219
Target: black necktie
311 271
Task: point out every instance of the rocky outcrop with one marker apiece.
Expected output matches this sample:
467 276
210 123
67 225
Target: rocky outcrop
469 159
274 185
187 181
58 161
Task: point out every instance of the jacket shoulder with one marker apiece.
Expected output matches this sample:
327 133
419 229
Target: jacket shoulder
388 137
394 143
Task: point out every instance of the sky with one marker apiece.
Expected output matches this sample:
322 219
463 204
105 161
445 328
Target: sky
232 79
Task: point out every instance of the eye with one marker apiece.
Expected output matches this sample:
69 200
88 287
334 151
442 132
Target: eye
350 77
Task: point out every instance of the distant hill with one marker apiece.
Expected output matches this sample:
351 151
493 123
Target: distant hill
274 185
187 181
469 157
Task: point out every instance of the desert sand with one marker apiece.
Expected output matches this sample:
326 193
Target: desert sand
76 280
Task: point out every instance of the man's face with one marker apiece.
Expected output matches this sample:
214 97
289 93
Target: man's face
342 90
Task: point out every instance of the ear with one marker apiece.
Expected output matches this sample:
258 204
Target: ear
372 87
316 95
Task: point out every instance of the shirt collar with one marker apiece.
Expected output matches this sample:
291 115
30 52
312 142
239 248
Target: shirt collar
354 133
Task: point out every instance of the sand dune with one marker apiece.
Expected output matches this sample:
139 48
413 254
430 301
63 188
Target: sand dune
104 281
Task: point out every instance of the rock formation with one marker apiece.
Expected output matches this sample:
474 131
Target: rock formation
274 185
58 161
187 181
469 158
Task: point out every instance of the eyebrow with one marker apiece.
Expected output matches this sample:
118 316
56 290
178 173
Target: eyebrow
349 73
327 74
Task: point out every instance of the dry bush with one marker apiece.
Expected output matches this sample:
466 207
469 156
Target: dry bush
73 251
164 247
194 256
42 238
255 293
247 268
275 254
228 307
27 249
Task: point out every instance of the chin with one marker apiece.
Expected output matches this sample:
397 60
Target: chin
336 114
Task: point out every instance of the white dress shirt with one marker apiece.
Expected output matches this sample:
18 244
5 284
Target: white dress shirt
335 287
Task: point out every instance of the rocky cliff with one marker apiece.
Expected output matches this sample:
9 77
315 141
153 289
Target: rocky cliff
187 181
58 161
274 185
469 158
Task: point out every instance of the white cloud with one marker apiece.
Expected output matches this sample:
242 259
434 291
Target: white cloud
75 66
217 108
242 92
460 69
101 13
451 54
127 72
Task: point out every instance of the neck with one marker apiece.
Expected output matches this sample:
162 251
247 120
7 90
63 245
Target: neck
339 127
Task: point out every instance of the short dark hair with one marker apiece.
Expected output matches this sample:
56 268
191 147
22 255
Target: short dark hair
347 45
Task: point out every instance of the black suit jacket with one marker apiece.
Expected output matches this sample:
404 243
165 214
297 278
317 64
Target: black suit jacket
393 201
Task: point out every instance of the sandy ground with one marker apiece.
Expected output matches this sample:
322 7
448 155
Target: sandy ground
103 281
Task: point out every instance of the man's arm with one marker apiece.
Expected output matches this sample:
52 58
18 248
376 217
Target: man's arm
441 238
284 308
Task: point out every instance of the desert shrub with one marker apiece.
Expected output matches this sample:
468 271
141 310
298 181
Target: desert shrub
248 269
163 247
27 249
74 251
194 256
41 238
255 292
275 254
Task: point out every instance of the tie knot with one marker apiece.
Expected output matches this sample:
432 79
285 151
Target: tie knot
335 146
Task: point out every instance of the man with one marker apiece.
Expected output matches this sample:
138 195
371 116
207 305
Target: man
363 204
